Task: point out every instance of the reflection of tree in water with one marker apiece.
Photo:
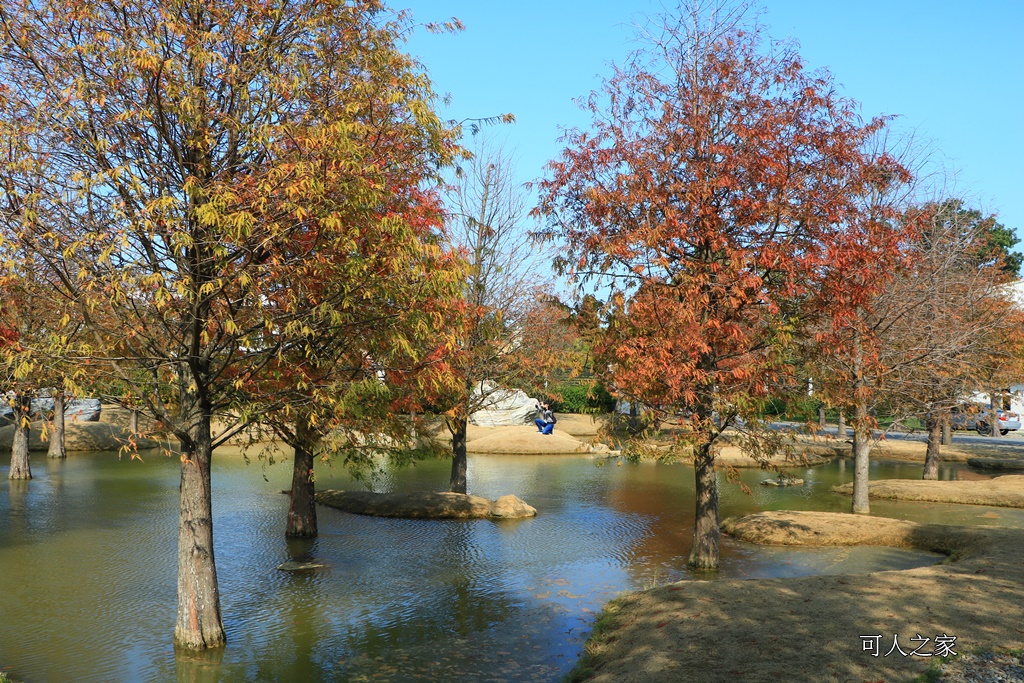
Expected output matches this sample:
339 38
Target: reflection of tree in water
664 494
458 619
407 614
444 624
18 515
292 632
201 666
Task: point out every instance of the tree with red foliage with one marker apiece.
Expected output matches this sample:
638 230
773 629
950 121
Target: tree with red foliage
717 173
379 285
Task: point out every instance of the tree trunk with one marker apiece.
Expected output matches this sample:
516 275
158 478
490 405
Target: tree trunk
861 460
133 423
931 458
947 431
199 624
19 448
821 416
704 554
993 418
457 484
841 425
57 449
302 511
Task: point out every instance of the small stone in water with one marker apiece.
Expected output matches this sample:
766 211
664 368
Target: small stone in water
296 566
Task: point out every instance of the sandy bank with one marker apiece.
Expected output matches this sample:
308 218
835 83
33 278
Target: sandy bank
809 629
526 439
1004 491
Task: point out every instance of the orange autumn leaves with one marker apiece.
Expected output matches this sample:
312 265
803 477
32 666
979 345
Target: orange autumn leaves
709 197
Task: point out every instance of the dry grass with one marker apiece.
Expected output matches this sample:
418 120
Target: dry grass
808 629
1004 491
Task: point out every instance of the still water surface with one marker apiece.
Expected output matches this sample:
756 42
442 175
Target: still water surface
88 561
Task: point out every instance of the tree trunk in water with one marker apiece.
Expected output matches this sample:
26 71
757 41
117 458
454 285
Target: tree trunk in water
947 431
19 448
302 511
199 624
841 426
704 554
57 449
457 483
931 458
861 461
133 423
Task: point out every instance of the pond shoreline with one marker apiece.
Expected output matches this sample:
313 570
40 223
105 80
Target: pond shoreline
810 629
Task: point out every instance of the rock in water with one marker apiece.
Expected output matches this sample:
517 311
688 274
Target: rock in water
511 507
424 505
299 566
783 481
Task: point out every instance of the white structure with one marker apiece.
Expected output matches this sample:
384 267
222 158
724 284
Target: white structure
501 407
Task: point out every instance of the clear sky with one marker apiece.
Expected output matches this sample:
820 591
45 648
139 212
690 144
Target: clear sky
953 71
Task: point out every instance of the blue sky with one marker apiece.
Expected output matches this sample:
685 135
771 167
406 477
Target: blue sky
953 71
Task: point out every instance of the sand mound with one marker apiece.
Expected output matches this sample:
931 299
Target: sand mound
1005 491
997 464
581 425
732 456
425 505
841 529
525 440
809 629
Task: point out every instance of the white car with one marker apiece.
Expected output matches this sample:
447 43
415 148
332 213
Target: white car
976 416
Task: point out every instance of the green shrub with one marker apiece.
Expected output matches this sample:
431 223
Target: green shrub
581 398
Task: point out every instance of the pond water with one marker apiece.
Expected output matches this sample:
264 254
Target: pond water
87 567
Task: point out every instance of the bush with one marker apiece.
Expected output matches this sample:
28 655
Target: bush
581 398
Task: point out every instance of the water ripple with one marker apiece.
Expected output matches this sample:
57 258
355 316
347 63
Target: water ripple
88 564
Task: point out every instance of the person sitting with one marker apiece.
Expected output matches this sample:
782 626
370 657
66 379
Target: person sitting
546 422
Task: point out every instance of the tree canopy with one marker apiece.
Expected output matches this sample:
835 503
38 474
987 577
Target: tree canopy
179 168
716 176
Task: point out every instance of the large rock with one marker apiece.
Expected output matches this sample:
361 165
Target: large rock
502 407
511 507
426 505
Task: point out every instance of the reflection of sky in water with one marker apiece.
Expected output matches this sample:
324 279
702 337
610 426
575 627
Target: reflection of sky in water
87 565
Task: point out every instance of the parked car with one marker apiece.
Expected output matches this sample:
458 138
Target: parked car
976 416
